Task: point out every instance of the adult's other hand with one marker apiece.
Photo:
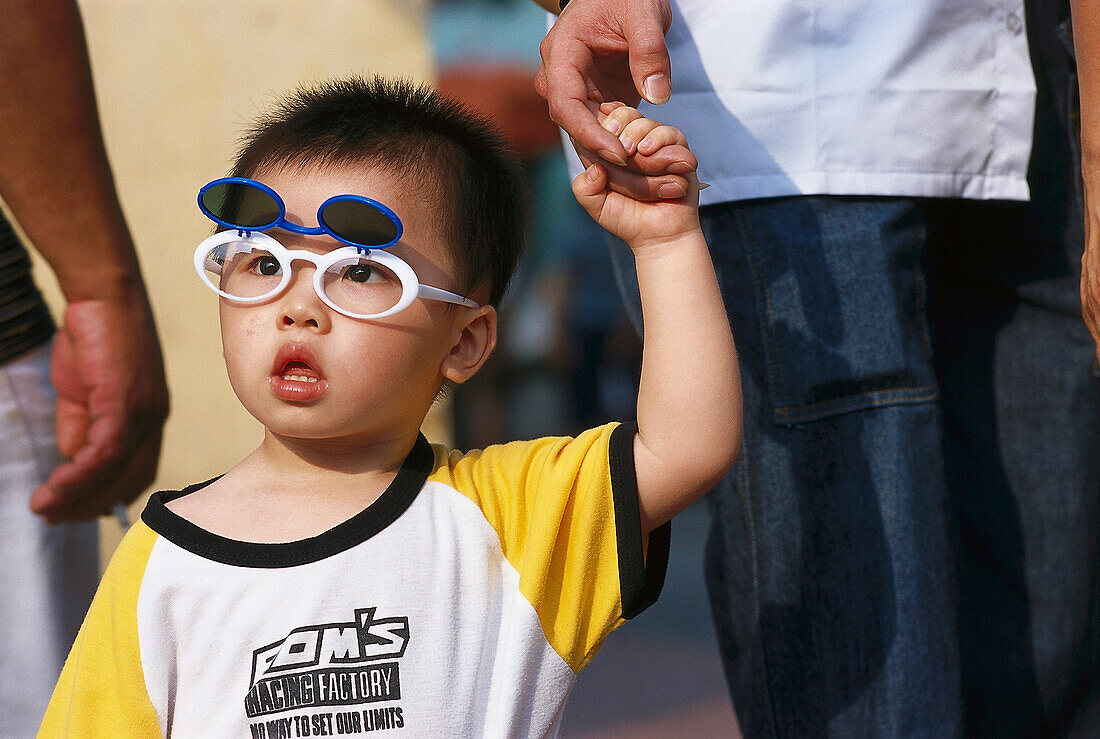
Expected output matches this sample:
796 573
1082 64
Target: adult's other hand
1090 271
111 405
1086 40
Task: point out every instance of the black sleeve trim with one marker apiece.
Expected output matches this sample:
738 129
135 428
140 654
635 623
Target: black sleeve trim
640 578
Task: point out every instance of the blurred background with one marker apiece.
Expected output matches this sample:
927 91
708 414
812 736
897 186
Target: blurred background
178 81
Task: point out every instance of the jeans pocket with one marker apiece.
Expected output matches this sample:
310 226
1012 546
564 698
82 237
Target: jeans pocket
838 291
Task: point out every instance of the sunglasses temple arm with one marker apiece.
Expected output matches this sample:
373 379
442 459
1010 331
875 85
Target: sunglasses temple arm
435 293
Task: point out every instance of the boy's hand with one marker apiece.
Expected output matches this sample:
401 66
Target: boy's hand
641 203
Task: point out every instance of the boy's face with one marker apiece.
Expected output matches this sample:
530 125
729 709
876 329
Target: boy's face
308 372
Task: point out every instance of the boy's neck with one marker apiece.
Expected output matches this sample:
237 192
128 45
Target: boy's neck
292 489
333 459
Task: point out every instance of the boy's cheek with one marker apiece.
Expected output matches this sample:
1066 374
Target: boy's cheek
241 329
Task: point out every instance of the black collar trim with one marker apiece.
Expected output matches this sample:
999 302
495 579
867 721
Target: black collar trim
385 510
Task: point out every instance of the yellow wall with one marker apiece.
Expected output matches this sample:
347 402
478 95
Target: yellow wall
176 82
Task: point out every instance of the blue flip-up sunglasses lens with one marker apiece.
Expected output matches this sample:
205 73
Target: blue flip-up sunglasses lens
358 222
242 205
350 218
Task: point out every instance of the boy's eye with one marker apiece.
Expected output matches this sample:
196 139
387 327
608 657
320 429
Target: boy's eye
267 266
360 273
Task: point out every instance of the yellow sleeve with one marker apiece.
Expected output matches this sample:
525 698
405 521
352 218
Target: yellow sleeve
566 512
101 692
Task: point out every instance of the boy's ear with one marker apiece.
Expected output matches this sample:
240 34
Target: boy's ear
475 342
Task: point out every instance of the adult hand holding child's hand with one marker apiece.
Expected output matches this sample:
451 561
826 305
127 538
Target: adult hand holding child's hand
602 50
639 208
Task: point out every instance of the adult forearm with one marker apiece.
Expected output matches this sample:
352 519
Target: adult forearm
54 174
1086 39
1086 32
106 365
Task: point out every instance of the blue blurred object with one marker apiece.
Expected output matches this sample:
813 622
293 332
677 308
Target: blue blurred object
507 30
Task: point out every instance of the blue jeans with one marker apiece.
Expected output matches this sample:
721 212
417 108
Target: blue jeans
907 545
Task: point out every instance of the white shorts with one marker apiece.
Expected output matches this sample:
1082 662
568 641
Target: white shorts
49 573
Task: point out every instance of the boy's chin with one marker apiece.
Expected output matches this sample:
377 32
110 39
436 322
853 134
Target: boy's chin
322 439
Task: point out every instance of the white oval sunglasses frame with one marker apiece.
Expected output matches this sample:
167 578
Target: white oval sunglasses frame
411 287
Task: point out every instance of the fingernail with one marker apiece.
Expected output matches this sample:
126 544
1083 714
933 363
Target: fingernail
670 190
703 185
590 173
656 88
628 144
612 157
613 126
647 145
680 168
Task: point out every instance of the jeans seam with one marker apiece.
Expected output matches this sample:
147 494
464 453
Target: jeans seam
745 494
921 315
763 295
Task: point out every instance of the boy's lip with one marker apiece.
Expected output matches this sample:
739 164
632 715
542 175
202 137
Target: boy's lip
296 374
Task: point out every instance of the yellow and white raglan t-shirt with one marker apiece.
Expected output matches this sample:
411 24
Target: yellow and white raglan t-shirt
462 602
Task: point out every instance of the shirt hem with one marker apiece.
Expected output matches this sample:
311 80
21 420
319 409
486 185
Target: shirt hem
960 185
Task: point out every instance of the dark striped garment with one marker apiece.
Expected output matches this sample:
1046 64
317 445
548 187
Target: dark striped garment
24 319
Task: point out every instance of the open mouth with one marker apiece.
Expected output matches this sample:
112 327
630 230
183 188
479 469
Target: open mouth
296 371
296 374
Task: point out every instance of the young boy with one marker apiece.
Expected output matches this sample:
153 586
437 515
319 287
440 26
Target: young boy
346 576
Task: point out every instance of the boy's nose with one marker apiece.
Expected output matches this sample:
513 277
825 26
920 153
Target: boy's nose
302 307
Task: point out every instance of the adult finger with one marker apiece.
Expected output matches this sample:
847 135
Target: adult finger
71 423
567 97
665 161
1090 292
94 466
105 471
71 417
637 185
127 481
650 66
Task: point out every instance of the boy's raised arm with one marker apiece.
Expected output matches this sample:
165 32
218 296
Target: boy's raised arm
689 397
